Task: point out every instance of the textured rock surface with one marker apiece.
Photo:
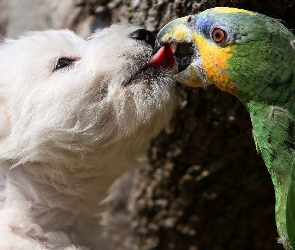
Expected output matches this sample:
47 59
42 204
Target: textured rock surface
25 15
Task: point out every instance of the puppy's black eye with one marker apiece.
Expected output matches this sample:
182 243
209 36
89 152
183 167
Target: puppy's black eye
63 62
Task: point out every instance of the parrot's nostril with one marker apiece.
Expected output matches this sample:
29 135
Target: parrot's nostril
185 62
144 35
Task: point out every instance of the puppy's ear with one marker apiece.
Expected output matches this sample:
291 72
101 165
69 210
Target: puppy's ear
4 118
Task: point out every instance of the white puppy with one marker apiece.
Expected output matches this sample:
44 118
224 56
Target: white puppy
74 115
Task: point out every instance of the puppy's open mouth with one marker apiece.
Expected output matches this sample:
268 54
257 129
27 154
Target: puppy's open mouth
163 58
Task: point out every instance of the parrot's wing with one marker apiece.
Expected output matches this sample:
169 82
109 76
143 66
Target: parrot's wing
273 134
290 208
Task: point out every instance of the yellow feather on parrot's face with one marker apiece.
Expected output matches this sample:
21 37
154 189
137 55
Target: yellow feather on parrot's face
214 62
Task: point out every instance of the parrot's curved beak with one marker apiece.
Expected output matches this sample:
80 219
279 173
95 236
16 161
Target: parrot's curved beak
177 31
181 31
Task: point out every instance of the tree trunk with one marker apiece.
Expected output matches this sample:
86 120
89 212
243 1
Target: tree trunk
205 186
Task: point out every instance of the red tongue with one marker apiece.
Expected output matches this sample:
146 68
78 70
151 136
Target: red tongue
163 58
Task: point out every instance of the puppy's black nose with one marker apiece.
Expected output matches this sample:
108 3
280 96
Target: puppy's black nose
144 35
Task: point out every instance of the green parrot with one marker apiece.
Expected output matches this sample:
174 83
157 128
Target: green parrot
251 56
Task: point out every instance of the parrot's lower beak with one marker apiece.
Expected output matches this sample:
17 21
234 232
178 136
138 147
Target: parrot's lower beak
181 31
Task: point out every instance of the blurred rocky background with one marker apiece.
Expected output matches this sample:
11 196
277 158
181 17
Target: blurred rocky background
81 16
204 186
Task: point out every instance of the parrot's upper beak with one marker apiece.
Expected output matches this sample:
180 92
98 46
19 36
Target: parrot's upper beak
181 31
176 31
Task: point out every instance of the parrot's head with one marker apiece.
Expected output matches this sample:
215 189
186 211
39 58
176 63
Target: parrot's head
244 53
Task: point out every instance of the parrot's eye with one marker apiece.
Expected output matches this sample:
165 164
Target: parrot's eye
218 35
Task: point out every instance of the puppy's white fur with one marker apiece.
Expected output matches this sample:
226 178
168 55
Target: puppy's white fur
66 134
